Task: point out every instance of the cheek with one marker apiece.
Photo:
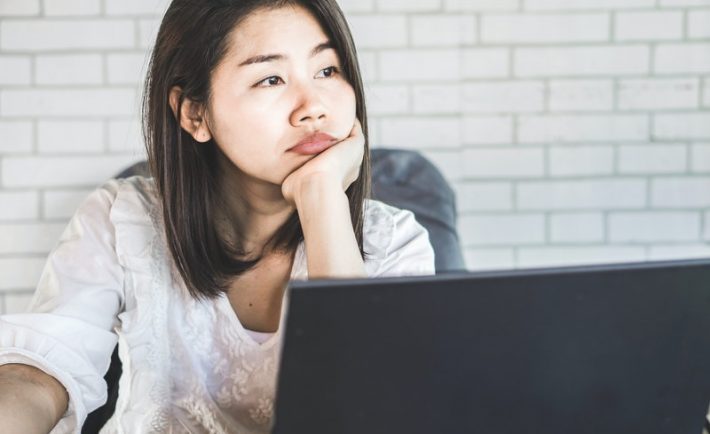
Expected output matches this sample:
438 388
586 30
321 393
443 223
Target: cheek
346 104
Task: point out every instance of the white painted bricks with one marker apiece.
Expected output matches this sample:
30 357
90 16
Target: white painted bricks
571 131
37 35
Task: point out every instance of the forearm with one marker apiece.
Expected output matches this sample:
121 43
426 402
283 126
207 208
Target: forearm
331 247
27 405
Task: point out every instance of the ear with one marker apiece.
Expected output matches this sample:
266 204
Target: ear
192 116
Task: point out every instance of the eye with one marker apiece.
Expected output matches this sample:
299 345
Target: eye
270 81
332 71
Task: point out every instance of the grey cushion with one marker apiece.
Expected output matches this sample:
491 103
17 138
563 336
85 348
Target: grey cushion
407 180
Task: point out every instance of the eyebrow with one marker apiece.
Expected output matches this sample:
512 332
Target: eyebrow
262 58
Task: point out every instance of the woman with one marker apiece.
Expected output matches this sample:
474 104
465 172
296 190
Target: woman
256 132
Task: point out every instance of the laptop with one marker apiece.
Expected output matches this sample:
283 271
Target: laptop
621 348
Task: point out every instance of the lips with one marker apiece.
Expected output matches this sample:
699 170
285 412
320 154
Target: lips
313 144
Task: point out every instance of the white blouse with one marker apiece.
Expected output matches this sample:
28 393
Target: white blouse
188 366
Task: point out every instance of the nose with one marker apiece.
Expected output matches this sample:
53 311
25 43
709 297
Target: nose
310 109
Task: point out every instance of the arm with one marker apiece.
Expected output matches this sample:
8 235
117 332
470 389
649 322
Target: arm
318 191
331 247
31 401
67 331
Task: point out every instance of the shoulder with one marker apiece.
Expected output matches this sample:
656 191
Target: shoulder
131 199
381 221
394 241
121 214
136 190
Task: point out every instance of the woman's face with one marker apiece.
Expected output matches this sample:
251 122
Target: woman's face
259 109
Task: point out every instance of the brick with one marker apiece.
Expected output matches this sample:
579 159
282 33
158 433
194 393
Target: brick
69 102
17 302
432 99
648 26
487 130
125 136
72 7
581 61
567 256
147 32
69 69
408 5
484 196
581 128
29 237
699 24
581 160
503 97
537 5
485 63
504 163
706 225
368 65
62 204
582 194
579 95
682 58
18 205
70 136
15 70
577 227
20 272
670 126
17 136
505 229
680 192
422 64
654 226
443 30
136 7
374 132
700 157
421 133
656 158
61 171
379 31
38 35
387 99
675 3
127 68
448 163
489 259
706 92
649 94
19 7
349 6
481 5
542 28
675 251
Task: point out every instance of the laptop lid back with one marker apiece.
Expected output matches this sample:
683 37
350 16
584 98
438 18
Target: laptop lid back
595 349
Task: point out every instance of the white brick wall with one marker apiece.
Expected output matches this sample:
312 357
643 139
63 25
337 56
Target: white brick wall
648 26
572 131
541 28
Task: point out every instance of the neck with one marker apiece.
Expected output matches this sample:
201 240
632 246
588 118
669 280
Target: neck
253 210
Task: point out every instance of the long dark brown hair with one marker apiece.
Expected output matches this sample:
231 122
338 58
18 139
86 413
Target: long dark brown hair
191 42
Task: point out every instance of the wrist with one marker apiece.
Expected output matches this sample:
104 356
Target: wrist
317 190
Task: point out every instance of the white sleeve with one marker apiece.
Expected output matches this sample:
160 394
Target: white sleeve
409 251
68 329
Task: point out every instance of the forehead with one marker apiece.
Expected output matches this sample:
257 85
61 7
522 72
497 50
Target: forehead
289 28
